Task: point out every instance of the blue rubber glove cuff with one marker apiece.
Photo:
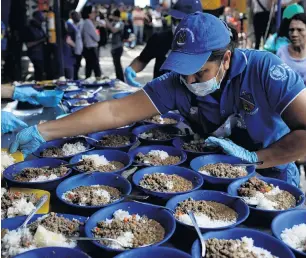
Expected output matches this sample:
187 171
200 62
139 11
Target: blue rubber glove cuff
232 149
27 141
49 98
25 94
10 123
130 74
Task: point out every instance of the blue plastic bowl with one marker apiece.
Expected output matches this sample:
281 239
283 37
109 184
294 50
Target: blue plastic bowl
170 150
50 98
53 252
188 174
157 213
198 162
49 185
236 204
121 95
97 178
144 128
174 116
154 252
69 95
288 220
110 155
179 141
71 102
262 240
14 223
269 214
60 143
100 135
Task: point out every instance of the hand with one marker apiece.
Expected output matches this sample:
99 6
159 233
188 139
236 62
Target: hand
232 149
26 94
130 74
10 123
28 140
49 98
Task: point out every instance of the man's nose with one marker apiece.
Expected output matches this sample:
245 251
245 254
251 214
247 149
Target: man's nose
190 79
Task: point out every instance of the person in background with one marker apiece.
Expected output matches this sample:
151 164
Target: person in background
91 42
35 39
281 38
159 44
117 29
68 37
148 26
294 55
261 10
75 20
138 17
157 21
102 29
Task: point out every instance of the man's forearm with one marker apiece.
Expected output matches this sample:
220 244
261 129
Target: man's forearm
288 149
7 92
138 65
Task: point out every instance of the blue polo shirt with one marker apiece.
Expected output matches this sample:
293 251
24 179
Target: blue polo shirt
259 88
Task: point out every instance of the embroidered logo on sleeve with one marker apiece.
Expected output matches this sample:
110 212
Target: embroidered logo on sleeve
278 72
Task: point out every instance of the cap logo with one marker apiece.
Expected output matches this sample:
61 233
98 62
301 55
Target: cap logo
181 36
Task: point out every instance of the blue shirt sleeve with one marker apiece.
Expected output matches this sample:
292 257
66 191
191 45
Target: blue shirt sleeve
162 92
281 84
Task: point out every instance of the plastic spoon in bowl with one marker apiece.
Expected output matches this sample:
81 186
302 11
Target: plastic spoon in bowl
248 164
134 197
253 204
196 226
83 136
96 91
39 204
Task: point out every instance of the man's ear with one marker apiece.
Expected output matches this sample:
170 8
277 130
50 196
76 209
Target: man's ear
227 59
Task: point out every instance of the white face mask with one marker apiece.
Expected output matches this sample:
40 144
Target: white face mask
202 89
173 28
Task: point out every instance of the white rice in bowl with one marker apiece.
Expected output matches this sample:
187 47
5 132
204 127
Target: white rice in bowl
6 160
295 237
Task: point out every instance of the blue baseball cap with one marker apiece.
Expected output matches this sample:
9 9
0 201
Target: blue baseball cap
184 7
195 38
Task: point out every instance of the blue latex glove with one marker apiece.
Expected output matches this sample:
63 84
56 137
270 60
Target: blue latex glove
26 94
10 123
49 98
232 149
130 74
27 141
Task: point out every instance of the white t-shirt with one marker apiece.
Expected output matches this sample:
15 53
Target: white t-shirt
257 8
157 19
297 65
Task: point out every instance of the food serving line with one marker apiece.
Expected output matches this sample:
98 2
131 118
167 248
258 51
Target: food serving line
182 236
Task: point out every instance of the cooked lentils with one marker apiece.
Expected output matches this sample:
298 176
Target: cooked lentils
146 231
8 198
57 224
160 182
284 199
52 152
88 196
214 210
114 140
82 102
161 120
157 160
224 170
89 165
198 146
156 134
27 174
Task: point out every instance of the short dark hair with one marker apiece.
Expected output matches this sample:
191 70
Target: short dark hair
217 55
86 11
117 13
299 17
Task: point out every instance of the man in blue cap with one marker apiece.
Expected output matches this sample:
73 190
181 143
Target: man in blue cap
159 44
249 96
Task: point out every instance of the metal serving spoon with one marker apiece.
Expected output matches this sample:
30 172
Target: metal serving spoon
248 164
39 204
196 226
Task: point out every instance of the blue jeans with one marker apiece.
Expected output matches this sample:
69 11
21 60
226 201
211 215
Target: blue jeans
138 29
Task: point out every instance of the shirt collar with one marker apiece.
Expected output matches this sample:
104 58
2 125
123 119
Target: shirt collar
238 63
